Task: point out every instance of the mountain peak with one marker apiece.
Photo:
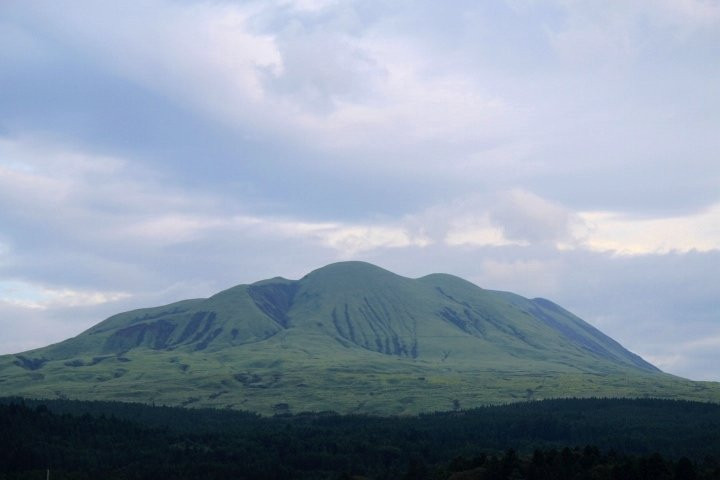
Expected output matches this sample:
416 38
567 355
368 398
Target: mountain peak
349 268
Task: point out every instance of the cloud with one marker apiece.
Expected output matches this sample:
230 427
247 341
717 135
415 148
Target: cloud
527 217
533 276
523 218
449 101
464 221
357 239
37 297
514 217
201 52
687 13
346 239
308 5
627 235
106 214
342 91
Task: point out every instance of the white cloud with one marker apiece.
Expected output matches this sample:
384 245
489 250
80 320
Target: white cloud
409 110
346 239
479 232
533 275
357 239
308 5
112 209
376 97
203 54
627 235
693 13
709 342
372 91
594 36
512 218
170 228
67 189
522 218
528 217
38 297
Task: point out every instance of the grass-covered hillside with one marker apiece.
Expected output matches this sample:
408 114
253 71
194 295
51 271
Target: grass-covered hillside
349 337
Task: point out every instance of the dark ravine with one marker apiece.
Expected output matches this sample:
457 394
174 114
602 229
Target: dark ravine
349 337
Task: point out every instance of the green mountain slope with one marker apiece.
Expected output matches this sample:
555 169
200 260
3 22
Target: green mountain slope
348 337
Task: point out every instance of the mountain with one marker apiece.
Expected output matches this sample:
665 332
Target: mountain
349 337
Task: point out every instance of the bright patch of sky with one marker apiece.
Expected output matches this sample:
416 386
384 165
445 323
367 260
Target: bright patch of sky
40 298
158 150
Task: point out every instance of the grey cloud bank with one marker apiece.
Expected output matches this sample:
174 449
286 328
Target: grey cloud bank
152 151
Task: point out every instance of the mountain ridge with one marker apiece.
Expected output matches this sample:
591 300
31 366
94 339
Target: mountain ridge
386 339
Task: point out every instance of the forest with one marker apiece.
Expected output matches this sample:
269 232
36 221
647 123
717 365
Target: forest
551 439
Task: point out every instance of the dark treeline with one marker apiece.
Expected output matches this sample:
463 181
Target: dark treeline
629 438
586 463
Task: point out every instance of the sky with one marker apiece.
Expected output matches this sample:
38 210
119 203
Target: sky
157 150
